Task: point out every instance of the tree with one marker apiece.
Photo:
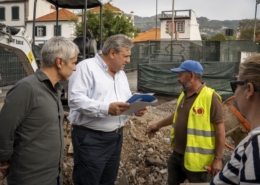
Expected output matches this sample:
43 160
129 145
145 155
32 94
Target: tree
218 37
204 37
112 24
246 29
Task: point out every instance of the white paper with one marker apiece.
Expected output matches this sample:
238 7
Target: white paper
138 105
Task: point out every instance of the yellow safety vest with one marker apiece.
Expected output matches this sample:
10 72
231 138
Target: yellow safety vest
200 147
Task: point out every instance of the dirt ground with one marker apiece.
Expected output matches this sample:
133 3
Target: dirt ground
143 160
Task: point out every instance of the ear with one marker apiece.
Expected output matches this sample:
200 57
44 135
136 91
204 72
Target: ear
112 53
59 62
250 90
192 75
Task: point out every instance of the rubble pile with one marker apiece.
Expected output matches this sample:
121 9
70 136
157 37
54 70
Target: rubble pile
143 160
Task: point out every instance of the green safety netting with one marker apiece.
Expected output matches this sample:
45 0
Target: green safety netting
220 59
158 78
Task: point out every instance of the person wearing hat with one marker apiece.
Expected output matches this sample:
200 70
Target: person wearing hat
198 131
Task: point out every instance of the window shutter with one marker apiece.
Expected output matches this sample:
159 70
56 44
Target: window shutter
12 12
44 30
59 30
15 12
35 31
2 13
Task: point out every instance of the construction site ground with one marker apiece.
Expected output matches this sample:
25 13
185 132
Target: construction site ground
143 160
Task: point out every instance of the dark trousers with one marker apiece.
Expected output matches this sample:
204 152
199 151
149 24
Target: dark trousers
96 156
178 174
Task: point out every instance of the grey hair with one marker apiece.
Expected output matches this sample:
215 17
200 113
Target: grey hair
58 47
117 42
198 76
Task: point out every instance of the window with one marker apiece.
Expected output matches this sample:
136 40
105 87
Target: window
15 13
2 13
40 31
59 30
180 27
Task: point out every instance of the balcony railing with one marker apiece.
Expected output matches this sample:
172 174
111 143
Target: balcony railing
177 14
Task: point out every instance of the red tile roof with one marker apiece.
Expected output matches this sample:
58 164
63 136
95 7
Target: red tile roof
108 6
63 15
148 35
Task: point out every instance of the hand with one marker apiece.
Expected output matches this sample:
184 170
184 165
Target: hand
151 130
4 168
118 108
216 166
141 112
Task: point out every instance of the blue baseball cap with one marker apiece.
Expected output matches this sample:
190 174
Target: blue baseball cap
189 65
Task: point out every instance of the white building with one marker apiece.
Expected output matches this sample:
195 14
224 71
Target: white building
45 26
42 8
17 12
185 23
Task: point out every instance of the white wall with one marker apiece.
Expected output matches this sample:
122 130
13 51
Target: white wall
163 34
66 30
194 27
42 8
191 29
8 14
182 36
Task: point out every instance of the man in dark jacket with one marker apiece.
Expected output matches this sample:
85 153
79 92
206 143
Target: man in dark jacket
31 134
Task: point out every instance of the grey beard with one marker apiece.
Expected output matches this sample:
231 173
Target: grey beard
185 87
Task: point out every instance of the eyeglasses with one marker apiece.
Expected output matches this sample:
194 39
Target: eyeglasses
234 85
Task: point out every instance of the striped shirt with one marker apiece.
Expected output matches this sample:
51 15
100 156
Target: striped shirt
244 166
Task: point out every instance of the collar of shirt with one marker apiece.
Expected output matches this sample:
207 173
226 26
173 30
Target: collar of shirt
43 77
200 88
197 91
101 62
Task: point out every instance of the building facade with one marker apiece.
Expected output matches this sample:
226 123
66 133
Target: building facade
17 12
45 26
185 25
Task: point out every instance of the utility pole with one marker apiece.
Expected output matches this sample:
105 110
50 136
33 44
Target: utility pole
172 35
156 20
257 2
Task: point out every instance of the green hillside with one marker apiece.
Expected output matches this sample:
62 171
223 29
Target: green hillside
210 27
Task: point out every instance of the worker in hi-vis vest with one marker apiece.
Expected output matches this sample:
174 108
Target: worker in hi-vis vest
198 132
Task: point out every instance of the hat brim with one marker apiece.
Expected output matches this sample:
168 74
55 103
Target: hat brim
177 70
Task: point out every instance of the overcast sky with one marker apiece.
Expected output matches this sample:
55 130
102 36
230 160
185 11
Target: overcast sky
212 9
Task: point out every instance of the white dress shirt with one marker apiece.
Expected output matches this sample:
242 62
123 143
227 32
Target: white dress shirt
91 90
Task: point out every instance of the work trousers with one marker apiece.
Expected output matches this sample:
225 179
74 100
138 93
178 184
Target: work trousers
96 156
178 174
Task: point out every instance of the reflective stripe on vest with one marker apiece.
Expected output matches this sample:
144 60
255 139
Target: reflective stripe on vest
201 132
199 150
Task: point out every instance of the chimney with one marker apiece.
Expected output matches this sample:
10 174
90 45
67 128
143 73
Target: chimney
132 17
53 8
